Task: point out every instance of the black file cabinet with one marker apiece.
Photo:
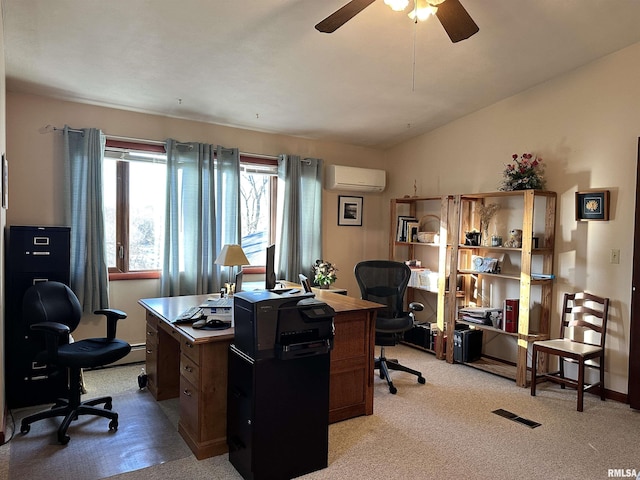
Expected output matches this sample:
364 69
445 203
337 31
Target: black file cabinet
277 415
34 254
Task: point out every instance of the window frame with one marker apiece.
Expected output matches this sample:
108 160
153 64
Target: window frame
248 159
121 270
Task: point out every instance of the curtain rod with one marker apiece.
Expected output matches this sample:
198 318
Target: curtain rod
51 128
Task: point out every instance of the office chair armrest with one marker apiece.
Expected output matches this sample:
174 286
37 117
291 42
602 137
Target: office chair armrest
53 333
113 316
416 306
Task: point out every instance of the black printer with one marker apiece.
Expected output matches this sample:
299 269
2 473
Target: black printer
271 325
278 385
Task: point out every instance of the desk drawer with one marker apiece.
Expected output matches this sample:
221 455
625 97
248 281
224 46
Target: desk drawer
190 370
189 408
151 334
152 320
190 349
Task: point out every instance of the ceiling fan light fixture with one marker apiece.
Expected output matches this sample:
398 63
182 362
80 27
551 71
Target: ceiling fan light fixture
423 9
397 5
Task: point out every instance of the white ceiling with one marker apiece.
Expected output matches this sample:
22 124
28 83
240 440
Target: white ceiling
261 65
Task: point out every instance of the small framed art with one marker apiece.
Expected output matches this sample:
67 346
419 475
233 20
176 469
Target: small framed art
350 211
593 205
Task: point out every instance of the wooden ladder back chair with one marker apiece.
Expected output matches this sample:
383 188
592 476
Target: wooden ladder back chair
583 330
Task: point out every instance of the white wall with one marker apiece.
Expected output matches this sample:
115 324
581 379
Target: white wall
585 125
36 180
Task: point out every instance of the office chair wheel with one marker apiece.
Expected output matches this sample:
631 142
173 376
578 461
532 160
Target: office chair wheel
63 439
113 424
108 406
421 380
393 390
24 428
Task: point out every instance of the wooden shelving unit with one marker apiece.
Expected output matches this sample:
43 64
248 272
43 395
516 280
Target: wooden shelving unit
433 254
532 211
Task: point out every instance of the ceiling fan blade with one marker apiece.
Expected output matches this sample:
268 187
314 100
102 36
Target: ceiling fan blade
456 21
342 16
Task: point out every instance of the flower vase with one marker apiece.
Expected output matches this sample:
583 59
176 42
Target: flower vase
324 286
485 238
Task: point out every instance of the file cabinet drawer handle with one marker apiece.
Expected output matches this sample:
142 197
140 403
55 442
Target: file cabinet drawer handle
186 392
190 345
188 368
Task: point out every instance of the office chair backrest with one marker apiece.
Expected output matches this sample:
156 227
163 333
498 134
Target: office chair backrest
51 302
584 318
385 282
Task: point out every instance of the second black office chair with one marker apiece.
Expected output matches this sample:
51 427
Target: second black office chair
385 282
52 309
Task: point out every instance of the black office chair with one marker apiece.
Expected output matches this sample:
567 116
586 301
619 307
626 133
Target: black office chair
385 282
53 309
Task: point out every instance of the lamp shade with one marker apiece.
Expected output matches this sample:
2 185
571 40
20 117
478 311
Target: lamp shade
232 255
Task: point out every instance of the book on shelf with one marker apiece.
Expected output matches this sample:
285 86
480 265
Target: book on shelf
510 315
542 276
482 315
402 228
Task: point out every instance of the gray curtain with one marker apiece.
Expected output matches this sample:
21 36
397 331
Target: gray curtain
83 153
202 214
299 215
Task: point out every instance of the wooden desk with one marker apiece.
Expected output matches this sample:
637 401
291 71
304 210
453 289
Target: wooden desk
192 364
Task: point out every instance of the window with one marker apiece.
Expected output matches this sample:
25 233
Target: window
134 192
134 179
258 184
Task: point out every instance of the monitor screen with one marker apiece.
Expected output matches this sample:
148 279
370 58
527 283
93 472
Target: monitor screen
270 268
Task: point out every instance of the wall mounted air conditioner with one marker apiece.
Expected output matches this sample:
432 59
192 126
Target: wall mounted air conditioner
353 179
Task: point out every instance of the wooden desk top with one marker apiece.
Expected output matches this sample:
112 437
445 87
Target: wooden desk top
168 308
344 303
339 302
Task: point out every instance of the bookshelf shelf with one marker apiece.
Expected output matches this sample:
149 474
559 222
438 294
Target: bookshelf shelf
404 214
528 210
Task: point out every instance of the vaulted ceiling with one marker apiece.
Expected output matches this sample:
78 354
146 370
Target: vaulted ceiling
260 64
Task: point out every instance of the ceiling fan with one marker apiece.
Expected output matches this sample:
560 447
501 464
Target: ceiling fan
454 18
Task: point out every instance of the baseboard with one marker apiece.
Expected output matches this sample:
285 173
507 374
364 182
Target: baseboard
617 396
137 354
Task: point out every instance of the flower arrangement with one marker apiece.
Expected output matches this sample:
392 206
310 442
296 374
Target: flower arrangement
525 172
324 273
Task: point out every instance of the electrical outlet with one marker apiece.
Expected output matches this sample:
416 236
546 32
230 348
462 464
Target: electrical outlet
614 256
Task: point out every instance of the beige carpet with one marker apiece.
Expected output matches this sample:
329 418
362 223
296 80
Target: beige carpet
145 437
446 429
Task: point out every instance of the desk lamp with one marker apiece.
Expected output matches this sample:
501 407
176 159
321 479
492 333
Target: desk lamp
231 256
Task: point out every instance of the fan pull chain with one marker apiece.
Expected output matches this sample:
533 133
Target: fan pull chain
413 73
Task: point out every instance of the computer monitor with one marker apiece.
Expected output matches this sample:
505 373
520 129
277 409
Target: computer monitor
270 268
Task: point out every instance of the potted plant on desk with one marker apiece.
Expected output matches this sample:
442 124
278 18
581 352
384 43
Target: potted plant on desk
324 273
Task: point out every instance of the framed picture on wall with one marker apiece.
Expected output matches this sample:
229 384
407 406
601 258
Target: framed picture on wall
593 205
350 211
